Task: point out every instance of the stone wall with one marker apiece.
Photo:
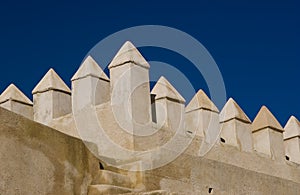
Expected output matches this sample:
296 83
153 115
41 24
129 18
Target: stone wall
151 139
36 159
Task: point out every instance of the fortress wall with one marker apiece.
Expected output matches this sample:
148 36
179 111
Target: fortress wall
229 153
36 159
196 175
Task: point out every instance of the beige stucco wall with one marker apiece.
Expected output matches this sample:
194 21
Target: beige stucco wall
196 176
225 170
36 159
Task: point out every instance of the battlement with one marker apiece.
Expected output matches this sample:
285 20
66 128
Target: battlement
127 110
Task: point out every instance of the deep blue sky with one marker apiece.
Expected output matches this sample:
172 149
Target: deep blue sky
255 43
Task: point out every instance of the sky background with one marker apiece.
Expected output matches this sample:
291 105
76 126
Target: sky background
254 43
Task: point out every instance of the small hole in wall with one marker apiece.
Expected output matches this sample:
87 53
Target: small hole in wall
210 190
222 140
189 132
287 158
101 166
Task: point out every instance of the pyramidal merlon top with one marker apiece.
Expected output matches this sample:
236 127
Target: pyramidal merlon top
232 110
164 89
89 67
128 53
292 128
13 93
201 101
265 119
51 81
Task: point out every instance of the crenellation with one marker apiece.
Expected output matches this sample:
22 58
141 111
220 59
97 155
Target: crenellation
90 85
130 89
268 135
235 126
202 118
169 105
291 137
136 119
14 100
51 98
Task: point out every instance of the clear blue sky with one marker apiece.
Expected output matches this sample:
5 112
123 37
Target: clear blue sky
255 43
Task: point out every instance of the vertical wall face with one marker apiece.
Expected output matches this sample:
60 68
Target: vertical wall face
193 123
202 118
229 133
130 90
102 94
22 109
60 99
268 135
292 149
235 126
204 124
90 90
161 109
262 143
90 85
292 140
36 159
244 136
51 104
14 100
276 145
120 92
210 125
51 98
140 96
43 106
83 95
269 142
170 114
175 112
169 105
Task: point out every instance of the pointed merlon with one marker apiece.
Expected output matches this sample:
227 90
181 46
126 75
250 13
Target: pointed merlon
13 93
265 119
292 128
89 67
128 54
232 110
201 101
51 81
164 89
